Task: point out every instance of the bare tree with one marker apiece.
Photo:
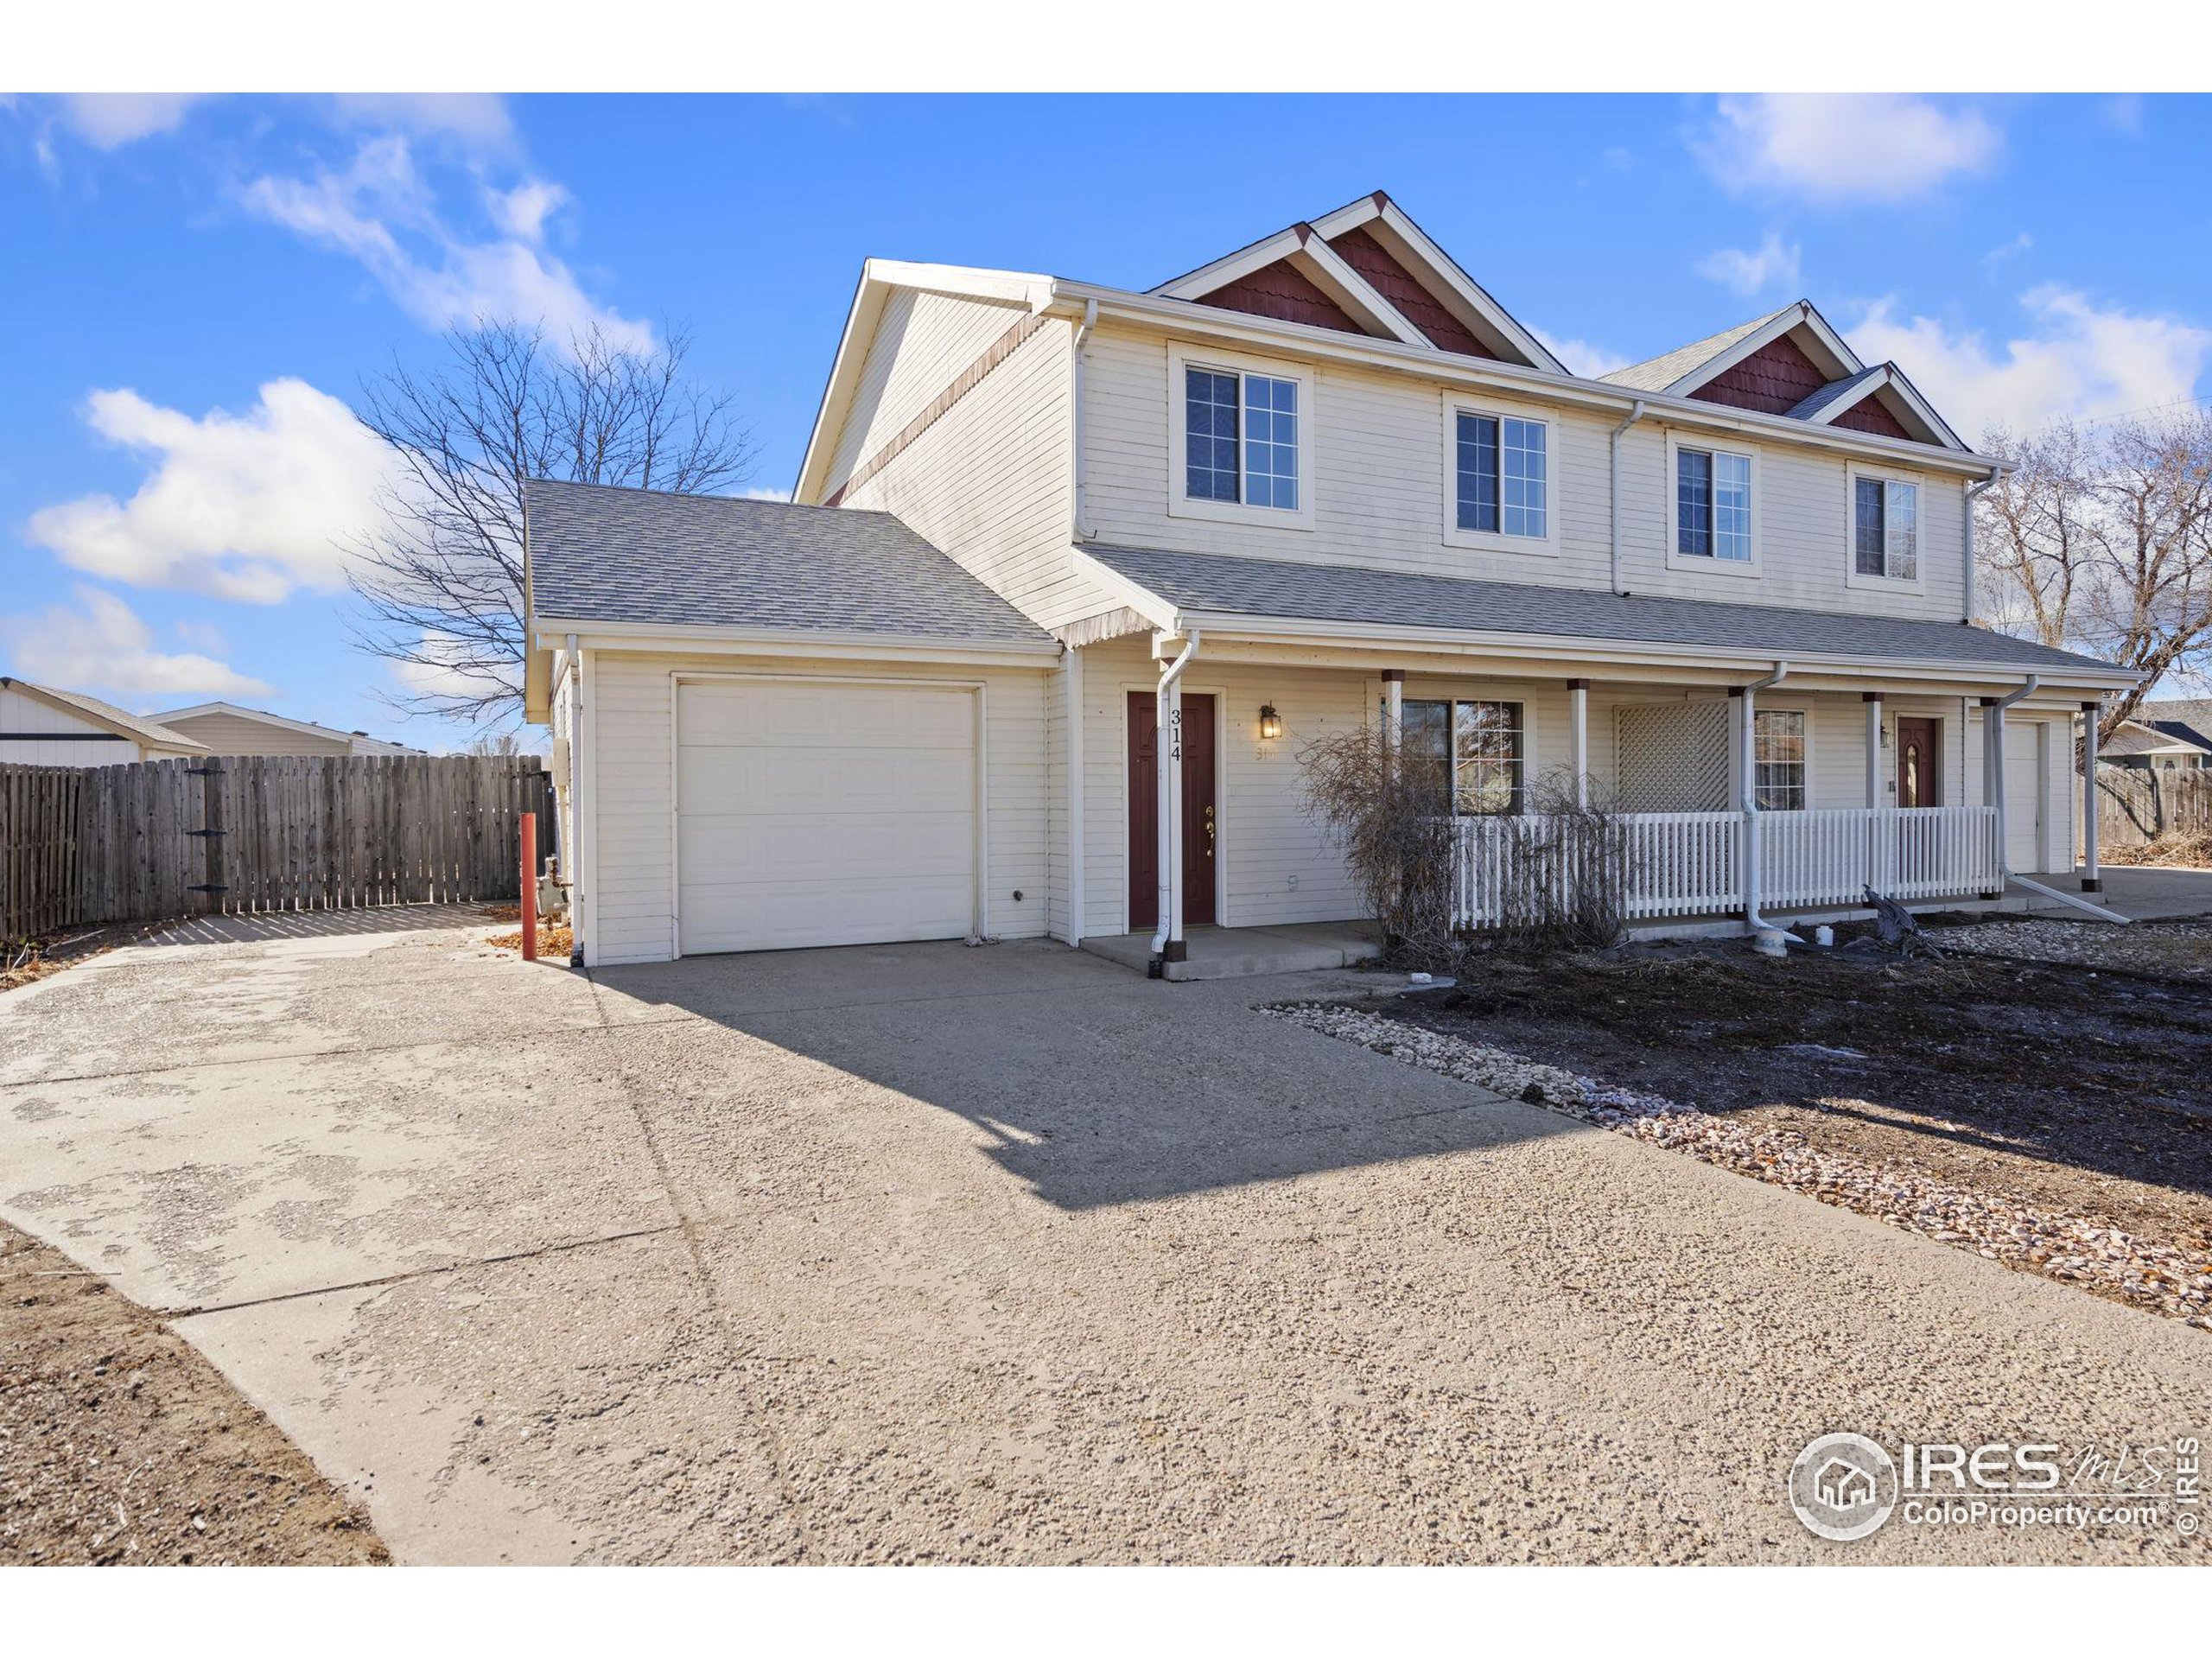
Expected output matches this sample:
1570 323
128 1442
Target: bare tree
2103 542
440 582
504 746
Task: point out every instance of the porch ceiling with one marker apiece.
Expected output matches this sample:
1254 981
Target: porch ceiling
1338 607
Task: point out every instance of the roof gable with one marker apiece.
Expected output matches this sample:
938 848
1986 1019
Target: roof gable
116 720
1392 259
1284 292
1774 379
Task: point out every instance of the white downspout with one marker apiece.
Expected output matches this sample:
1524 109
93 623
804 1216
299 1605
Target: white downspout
1079 486
1634 414
1072 676
1754 923
2092 871
1168 753
1973 494
572 856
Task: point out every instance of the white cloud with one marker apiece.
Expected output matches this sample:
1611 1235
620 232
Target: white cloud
1771 264
382 212
768 494
448 671
1845 146
111 120
2004 251
2075 359
239 506
103 644
1581 356
478 118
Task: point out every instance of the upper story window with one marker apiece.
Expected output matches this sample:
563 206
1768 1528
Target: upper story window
1244 441
1239 438
1501 476
1712 505
1885 529
1778 759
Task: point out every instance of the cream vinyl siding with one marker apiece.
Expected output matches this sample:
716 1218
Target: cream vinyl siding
922 342
1379 488
629 837
236 734
990 482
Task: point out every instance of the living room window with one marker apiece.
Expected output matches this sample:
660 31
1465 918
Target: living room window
1475 743
1778 759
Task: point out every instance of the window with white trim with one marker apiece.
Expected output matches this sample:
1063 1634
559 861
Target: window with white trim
1885 529
1478 744
1503 465
1239 438
1778 759
1712 505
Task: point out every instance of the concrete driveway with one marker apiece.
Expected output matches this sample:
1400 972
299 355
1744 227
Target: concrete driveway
923 1253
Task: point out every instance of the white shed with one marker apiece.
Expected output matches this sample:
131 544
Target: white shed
44 725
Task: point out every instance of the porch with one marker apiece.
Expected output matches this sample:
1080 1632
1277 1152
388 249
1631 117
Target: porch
1248 953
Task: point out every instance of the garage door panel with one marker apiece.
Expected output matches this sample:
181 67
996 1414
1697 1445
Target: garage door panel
814 813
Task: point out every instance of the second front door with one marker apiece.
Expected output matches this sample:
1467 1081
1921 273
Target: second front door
1201 823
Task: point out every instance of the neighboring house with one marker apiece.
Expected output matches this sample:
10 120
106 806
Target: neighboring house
1328 477
44 725
2170 736
228 729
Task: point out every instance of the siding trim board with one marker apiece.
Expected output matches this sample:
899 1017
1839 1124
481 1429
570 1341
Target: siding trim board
965 382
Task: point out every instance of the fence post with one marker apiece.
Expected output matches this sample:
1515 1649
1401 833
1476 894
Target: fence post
530 887
210 836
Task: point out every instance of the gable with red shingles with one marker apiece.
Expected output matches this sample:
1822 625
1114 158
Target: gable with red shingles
1774 379
1871 415
1284 293
1398 285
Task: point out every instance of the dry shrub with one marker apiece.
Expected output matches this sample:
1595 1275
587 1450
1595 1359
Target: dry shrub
554 942
2190 851
1564 866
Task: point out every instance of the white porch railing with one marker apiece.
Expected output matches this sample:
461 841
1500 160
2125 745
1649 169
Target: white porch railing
1691 863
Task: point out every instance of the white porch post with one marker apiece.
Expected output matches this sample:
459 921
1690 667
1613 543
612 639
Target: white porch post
1393 709
1578 718
2092 875
1873 700
1071 756
1747 793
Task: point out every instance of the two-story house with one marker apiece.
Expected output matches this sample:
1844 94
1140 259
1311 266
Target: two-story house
1043 525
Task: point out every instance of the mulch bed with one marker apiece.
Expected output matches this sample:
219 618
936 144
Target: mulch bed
119 1444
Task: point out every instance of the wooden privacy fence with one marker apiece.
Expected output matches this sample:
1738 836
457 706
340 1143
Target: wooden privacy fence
80 846
2137 806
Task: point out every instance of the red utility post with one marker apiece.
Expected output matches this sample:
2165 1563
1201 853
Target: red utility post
530 887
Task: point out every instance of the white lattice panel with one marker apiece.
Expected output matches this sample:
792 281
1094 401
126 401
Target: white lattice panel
1671 757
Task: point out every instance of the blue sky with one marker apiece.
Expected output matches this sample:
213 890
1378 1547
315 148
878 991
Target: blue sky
194 289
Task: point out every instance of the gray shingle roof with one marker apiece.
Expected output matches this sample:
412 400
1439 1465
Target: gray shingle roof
116 720
2188 720
604 554
1657 373
1227 584
1834 391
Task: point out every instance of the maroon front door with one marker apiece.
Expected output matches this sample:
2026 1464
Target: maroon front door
1920 779
1201 825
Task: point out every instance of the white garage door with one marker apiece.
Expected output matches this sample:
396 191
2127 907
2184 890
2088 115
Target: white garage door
812 813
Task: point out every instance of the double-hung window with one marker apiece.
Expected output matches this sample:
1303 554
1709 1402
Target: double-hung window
1501 476
1778 759
1474 745
1713 505
1241 439
1885 529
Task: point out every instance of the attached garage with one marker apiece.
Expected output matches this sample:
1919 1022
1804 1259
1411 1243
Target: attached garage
817 812
778 727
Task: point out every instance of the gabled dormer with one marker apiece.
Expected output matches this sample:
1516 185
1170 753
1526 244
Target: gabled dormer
1793 363
1365 268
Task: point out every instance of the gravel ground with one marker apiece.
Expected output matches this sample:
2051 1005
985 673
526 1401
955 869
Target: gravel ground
119 1444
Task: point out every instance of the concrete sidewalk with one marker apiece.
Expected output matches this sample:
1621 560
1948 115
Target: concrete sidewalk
926 1253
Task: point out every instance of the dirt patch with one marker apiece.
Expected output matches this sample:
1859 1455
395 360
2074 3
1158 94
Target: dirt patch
2078 1086
119 1444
